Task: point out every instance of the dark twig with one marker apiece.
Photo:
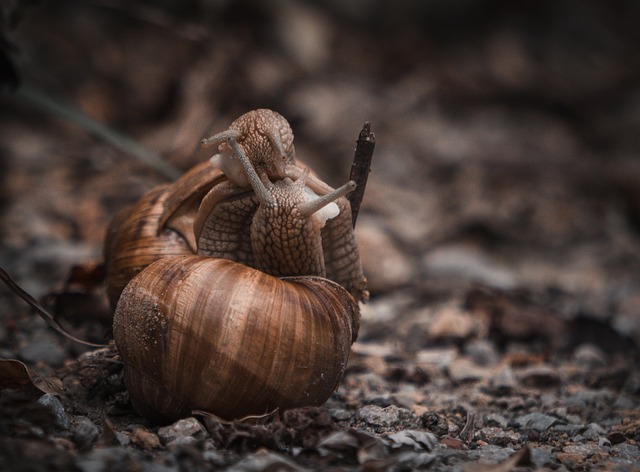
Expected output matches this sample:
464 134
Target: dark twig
44 314
361 167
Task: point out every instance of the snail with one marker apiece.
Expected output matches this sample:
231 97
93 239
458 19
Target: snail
251 320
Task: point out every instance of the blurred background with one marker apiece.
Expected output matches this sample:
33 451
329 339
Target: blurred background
504 199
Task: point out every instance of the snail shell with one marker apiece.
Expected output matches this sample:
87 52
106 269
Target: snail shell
199 333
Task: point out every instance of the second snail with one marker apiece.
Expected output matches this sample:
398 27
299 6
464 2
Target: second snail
236 289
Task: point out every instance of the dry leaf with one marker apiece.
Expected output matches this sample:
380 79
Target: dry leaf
14 374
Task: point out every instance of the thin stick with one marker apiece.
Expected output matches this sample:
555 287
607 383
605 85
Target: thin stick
361 167
44 314
125 144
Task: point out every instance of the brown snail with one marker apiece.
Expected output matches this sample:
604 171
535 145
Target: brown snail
219 331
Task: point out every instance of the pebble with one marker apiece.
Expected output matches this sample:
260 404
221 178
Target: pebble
503 382
537 421
340 414
452 322
144 439
589 356
123 438
543 457
586 397
539 376
582 450
498 436
434 422
495 419
416 440
182 441
593 431
627 451
465 370
436 357
185 428
85 432
388 399
53 404
571 429
379 417
574 454
467 263
482 351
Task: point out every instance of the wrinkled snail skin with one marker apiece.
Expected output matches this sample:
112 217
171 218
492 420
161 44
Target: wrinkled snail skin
198 333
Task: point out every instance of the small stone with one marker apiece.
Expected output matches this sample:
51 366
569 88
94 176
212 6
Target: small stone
495 419
85 432
537 421
503 381
627 451
482 351
436 357
123 439
616 437
623 402
188 427
583 450
589 355
452 443
144 439
540 376
464 370
382 417
182 441
416 440
498 436
452 322
543 457
468 263
340 414
52 402
572 430
434 422
594 431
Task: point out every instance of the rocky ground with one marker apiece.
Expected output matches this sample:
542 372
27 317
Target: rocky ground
500 231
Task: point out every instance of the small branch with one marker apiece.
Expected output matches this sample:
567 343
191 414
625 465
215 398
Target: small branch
361 167
44 102
44 314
